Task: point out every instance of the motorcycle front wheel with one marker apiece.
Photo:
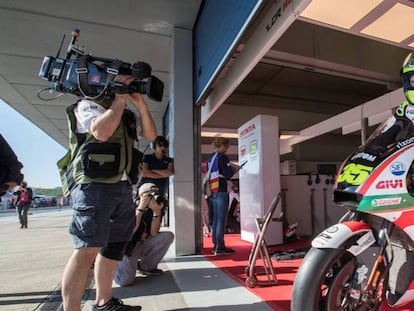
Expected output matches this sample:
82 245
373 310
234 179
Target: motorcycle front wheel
323 282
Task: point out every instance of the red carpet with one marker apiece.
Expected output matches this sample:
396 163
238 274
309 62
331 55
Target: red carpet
276 296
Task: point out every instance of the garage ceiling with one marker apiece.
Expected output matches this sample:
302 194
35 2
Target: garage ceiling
319 67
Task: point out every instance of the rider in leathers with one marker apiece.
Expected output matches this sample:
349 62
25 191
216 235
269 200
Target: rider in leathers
400 127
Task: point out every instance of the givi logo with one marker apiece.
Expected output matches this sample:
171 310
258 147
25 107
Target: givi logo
390 184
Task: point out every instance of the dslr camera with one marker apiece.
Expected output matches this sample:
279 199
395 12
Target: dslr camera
159 198
85 75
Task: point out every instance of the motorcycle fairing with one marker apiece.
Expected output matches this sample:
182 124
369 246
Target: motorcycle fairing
379 167
374 178
389 177
385 192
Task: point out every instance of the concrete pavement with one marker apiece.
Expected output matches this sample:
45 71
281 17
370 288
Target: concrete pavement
32 261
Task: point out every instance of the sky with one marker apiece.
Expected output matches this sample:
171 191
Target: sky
34 148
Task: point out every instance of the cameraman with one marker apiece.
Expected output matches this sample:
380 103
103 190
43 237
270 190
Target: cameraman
102 137
148 245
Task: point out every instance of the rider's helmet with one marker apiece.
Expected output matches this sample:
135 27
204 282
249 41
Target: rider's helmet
407 71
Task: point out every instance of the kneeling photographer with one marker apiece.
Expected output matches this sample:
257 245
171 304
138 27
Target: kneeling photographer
148 245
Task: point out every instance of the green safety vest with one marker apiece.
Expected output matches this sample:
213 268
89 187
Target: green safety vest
90 160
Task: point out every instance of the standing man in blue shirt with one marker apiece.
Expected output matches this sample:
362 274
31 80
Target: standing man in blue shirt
157 167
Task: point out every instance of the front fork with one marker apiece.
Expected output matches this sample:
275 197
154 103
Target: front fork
376 284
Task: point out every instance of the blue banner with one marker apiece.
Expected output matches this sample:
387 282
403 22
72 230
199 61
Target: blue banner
217 30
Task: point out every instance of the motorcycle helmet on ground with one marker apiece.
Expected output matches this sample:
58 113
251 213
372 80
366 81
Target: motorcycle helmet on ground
407 76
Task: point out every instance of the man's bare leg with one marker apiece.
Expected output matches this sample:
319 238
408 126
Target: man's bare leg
104 274
75 277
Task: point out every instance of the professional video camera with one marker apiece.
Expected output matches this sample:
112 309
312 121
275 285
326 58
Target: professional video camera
90 76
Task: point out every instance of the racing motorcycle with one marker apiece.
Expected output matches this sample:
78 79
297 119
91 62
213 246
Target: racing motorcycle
366 260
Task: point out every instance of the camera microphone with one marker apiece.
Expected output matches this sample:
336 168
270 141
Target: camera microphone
75 35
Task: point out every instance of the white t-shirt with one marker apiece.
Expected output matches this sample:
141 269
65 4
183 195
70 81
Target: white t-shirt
86 111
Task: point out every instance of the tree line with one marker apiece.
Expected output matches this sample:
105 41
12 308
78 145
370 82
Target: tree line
56 192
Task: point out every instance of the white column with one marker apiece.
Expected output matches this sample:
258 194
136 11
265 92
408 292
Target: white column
181 136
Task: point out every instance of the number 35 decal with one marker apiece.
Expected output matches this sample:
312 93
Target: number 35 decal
354 174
